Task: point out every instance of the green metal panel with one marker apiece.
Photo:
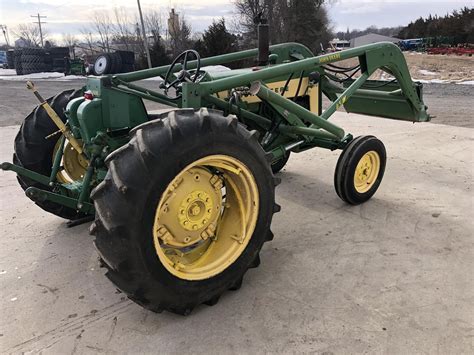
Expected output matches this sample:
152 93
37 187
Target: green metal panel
71 114
121 110
94 84
89 115
191 97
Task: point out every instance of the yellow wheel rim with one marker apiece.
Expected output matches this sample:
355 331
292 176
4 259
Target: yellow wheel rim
206 217
367 171
73 165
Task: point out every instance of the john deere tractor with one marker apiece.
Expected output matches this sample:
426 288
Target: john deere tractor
182 200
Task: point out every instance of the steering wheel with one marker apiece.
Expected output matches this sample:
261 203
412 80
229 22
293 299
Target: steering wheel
184 74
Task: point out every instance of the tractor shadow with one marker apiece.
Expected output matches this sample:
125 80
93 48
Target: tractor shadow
307 191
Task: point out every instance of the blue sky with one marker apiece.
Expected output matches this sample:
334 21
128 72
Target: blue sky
69 16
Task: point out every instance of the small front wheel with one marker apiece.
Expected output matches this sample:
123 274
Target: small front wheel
360 169
280 164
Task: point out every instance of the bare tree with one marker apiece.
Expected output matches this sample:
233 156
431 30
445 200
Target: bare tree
69 40
304 21
123 29
88 38
30 34
248 11
154 24
103 26
180 36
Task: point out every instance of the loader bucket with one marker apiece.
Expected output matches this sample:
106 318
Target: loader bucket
386 99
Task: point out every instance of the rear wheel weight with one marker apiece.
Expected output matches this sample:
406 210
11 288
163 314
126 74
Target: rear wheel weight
161 196
359 170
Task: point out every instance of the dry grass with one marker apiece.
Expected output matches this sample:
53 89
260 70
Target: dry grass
441 67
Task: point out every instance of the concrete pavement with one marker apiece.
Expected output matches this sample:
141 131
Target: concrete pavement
393 275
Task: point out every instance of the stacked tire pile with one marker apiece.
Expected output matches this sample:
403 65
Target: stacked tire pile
37 60
17 61
113 63
32 60
55 58
11 59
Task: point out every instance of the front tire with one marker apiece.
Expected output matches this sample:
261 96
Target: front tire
359 170
280 164
154 208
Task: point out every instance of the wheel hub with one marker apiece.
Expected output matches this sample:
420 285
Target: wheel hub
74 165
195 210
366 171
206 217
191 209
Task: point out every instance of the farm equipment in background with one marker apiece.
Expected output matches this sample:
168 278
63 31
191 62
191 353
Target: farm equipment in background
182 200
459 50
415 44
74 67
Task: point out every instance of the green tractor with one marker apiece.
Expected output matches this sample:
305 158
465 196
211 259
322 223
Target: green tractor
182 200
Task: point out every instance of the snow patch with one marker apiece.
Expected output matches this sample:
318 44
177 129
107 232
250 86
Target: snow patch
432 81
37 76
467 82
427 72
7 72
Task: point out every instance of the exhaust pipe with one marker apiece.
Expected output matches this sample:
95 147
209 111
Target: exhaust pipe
263 43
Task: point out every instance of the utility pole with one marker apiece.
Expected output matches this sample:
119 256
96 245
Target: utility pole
39 24
145 41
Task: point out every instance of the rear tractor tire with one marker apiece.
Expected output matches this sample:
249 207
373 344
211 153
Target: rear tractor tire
360 169
34 152
184 210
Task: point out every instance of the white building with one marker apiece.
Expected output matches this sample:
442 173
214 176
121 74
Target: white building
372 38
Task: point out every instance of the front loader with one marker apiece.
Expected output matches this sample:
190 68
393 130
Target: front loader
182 200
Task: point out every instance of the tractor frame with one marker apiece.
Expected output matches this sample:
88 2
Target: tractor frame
265 98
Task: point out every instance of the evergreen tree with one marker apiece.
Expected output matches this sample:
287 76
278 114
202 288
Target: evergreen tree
216 40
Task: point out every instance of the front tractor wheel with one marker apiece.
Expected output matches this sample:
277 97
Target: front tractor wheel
280 164
184 210
360 169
